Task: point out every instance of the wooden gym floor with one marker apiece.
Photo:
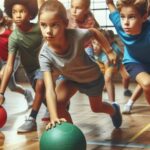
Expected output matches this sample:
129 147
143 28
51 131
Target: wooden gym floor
100 134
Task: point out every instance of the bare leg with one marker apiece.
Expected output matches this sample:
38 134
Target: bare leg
143 80
39 94
64 91
97 105
109 83
125 80
136 94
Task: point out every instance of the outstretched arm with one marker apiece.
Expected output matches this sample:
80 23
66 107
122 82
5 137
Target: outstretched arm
111 5
6 76
51 100
40 2
105 44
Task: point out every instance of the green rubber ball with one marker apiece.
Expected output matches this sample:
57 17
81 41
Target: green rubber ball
64 136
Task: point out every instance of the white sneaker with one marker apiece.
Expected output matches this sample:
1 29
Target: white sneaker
29 98
28 126
127 109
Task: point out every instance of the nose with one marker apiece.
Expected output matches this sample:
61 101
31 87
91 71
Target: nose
18 15
49 31
74 10
126 21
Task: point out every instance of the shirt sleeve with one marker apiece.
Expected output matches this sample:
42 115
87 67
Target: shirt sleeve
44 61
115 19
12 44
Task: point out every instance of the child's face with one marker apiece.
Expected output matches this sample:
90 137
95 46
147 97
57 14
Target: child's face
78 9
52 27
96 47
131 20
20 15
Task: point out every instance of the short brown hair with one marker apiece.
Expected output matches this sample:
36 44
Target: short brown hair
54 6
140 5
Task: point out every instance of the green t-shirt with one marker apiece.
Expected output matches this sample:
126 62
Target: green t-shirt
28 44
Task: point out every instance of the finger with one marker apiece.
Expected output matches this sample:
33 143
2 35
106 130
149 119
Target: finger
63 120
48 126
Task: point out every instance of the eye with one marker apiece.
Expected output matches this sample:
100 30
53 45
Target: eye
56 25
132 17
122 16
43 25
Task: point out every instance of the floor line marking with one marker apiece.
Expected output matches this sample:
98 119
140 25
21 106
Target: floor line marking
127 145
139 133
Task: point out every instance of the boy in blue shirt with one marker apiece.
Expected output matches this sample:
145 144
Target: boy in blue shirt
132 26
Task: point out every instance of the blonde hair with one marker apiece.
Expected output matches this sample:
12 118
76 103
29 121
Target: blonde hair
140 5
54 6
86 3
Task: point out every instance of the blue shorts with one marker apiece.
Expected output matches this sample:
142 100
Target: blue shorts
93 88
34 75
135 68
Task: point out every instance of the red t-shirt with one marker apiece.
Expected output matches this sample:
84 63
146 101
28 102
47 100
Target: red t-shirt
4 44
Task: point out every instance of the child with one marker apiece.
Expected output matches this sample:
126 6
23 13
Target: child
26 39
130 21
5 31
109 34
63 53
80 16
110 68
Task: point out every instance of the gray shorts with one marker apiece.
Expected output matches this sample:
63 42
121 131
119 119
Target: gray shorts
34 75
93 88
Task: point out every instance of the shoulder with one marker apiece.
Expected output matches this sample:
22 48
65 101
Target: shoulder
14 35
8 31
45 50
79 33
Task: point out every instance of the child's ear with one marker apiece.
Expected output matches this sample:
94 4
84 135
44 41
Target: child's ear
145 17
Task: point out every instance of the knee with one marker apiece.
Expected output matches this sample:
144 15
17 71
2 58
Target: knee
108 79
146 85
126 78
40 87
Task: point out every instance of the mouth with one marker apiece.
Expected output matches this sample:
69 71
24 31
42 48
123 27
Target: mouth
17 21
50 37
126 29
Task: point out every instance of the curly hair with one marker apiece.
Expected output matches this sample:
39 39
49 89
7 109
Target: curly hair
31 5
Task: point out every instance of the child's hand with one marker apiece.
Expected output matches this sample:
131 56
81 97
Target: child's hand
2 99
52 123
112 57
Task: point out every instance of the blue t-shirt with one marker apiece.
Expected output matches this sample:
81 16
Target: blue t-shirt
136 47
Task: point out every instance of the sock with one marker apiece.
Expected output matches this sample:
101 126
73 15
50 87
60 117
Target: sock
130 102
33 114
